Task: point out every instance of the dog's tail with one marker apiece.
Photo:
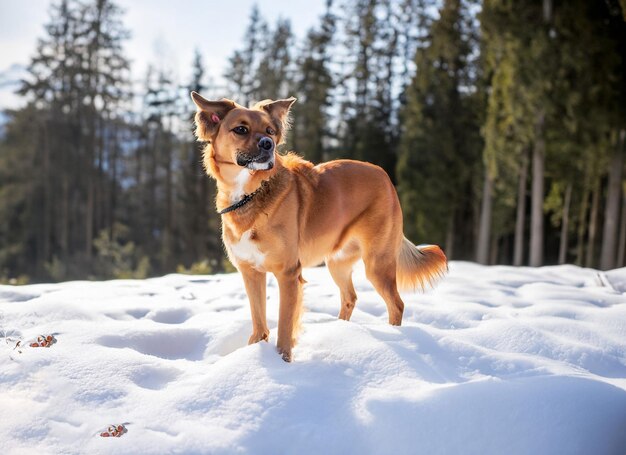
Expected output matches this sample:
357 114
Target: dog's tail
419 266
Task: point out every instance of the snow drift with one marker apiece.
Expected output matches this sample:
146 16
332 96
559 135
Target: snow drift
495 360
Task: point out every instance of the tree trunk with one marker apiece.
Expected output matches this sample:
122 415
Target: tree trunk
203 231
537 194
89 218
611 213
114 179
90 176
565 225
65 217
593 225
582 225
152 190
99 197
520 219
169 212
449 248
621 249
90 212
44 251
494 250
547 11
484 234
536 213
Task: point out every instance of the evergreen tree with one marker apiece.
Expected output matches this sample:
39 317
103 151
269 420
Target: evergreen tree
244 64
77 79
311 133
91 188
368 124
22 189
508 127
546 108
200 225
161 110
440 148
274 73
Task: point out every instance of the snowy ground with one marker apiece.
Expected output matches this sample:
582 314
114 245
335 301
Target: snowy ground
496 360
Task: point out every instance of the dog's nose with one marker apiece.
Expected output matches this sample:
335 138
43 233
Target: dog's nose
266 143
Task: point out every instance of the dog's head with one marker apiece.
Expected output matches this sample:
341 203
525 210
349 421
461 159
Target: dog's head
241 136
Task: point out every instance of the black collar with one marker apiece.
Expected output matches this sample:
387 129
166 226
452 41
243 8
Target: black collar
243 201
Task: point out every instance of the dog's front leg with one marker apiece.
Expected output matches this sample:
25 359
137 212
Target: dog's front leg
255 287
290 285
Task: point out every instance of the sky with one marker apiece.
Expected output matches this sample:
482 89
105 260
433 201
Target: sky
163 32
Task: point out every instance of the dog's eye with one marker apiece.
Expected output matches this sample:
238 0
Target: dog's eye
241 130
270 131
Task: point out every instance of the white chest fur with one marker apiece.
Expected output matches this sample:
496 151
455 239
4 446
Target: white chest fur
246 250
240 182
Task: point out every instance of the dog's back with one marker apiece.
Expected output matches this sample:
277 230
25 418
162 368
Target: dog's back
361 198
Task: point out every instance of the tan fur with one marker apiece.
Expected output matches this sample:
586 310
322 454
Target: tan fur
419 266
302 215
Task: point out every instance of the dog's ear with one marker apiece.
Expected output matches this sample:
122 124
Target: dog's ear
279 111
209 116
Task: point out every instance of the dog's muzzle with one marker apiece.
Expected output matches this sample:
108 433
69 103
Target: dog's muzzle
262 160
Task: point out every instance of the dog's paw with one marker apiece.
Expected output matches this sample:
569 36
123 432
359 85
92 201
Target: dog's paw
256 337
286 355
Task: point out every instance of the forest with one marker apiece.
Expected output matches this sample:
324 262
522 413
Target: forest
502 124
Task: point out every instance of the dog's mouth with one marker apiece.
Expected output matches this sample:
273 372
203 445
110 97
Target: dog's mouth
260 162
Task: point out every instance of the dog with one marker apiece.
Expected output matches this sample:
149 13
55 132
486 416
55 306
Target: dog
281 213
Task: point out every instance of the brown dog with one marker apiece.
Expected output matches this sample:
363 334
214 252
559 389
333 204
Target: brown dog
281 213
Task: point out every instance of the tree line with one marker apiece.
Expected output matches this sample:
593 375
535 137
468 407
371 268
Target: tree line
502 124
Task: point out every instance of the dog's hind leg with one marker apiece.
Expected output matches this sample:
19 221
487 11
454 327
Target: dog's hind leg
340 268
380 237
382 274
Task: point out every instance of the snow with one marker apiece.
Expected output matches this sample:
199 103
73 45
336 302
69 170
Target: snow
494 360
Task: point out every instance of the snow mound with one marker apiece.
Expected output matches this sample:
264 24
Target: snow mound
617 279
494 360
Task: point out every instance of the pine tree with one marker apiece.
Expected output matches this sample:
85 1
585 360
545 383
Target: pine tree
508 128
440 147
199 239
274 73
77 79
367 112
161 110
244 64
22 189
311 132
